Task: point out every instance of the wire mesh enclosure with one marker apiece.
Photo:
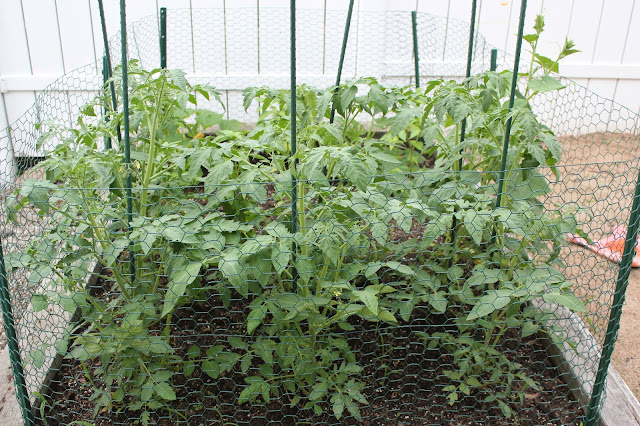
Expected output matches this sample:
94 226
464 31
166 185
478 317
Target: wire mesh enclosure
218 233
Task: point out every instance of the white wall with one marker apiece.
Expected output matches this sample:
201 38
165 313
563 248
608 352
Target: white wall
42 39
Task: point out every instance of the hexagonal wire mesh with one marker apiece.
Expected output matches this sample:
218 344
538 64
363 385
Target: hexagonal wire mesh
392 304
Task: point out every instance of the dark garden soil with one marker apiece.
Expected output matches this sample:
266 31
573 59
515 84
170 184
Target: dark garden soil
404 381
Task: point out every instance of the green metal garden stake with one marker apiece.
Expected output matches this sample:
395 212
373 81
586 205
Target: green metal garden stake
416 59
127 147
105 78
463 125
471 34
12 342
292 159
163 37
494 59
345 39
593 413
514 83
107 54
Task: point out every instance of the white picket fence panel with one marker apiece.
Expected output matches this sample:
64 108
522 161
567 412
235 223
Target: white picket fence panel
41 40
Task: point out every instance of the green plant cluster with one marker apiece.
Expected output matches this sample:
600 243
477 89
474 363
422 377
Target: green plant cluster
382 236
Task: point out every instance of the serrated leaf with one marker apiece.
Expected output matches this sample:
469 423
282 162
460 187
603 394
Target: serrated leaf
217 175
165 391
255 317
476 222
568 300
323 103
178 282
369 297
544 84
238 343
490 302
402 119
248 95
39 302
178 78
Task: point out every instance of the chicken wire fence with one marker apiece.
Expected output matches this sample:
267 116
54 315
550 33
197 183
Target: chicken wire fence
371 278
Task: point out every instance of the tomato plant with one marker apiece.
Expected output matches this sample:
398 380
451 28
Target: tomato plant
375 241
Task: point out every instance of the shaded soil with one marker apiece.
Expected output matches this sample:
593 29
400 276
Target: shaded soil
404 380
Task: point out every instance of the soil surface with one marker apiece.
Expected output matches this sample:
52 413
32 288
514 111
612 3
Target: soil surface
404 381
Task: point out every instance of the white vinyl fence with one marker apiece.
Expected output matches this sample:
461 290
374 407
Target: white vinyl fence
42 39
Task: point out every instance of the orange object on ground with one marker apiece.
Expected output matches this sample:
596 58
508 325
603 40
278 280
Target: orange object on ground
610 247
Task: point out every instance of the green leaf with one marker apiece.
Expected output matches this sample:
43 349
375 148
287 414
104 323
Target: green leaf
381 101
548 64
188 367
369 297
164 390
249 95
319 390
529 328
347 95
491 301
231 125
177 76
39 302
162 376
238 343
568 300
212 368
255 317
178 282
402 119
193 352
387 316
438 301
400 268
338 400
544 84
324 101
217 175
476 222
232 270
207 118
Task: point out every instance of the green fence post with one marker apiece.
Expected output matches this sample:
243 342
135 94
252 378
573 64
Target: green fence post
416 59
127 147
593 413
494 59
345 39
163 37
514 83
292 160
472 26
12 342
107 54
463 125
105 78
